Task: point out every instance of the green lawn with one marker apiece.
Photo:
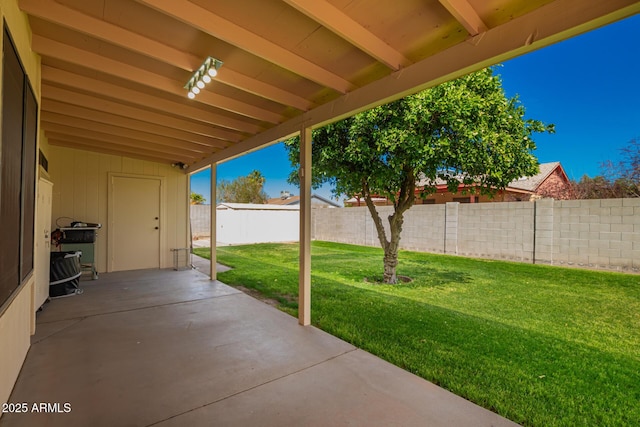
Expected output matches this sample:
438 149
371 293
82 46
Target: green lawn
540 345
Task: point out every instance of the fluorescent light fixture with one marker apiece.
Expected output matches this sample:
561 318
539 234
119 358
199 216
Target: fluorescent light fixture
202 75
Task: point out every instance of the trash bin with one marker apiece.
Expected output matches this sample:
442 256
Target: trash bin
64 275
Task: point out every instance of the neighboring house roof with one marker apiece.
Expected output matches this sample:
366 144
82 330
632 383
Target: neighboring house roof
526 183
533 182
256 207
295 200
286 201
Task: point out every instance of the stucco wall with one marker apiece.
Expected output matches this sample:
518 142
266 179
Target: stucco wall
602 234
80 191
18 317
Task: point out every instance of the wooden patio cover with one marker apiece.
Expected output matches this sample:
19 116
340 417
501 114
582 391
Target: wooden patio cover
114 71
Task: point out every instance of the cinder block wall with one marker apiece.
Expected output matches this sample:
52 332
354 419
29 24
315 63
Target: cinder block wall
591 233
602 234
352 225
424 228
200 221
496 230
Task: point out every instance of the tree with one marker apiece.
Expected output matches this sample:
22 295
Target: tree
625 174
463 131
197 199
244 189
600 187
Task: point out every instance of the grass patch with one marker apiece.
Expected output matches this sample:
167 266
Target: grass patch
540 345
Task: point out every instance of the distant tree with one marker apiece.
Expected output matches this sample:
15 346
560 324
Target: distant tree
197 199
599 187
244 189
463 131
625 174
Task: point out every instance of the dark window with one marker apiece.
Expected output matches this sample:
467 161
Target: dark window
17 172
30 142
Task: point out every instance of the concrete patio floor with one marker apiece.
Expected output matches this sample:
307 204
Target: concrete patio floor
172 348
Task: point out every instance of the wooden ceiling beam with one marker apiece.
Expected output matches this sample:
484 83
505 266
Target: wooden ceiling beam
548 24
116 108
350 30
218 27
61 141
219 138
70 18
466 15
143 100
83 135
67 17
102 64
89 125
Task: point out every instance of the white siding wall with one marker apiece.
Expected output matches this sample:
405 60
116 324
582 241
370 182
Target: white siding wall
81 190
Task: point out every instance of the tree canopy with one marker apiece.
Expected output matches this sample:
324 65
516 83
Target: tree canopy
197 198
623 176
465 131
244 189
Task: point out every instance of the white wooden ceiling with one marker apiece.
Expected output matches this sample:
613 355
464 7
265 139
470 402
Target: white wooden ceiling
113 71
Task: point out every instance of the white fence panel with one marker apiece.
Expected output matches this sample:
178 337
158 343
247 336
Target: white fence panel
257 226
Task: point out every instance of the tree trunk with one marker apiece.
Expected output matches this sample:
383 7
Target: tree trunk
391 250
390 247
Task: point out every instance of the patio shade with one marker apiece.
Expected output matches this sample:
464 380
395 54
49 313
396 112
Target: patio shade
114 71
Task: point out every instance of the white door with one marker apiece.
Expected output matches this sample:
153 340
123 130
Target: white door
134 234
43 242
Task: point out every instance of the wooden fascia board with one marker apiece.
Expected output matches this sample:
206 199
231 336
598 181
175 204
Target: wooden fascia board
544 26
102 30
96 62
344 26
218 27
562 172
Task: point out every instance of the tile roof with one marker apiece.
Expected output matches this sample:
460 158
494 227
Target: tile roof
532 183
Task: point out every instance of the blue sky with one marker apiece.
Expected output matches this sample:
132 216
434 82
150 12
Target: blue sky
588 86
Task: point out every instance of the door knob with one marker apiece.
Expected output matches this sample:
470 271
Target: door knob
157 228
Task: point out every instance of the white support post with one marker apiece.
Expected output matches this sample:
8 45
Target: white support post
213 226
304 284
188 231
